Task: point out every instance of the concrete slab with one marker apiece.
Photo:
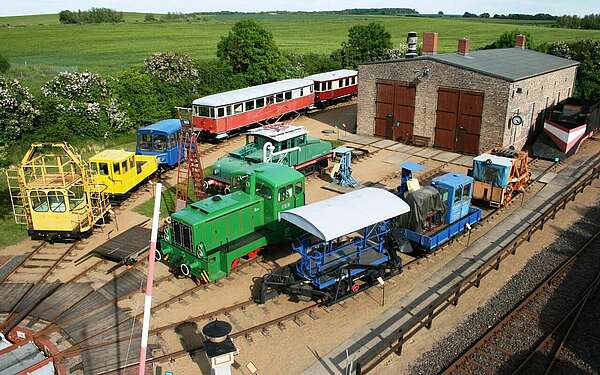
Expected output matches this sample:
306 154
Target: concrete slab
465 161
428 152
349 137
401 147
396 158
446 156
384 143
367 140
547 177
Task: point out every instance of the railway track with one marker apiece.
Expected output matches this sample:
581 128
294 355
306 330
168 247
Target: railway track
523 340
451 297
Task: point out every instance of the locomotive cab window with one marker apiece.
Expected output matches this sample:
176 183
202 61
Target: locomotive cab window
228 110
285 193
249 105
116 169
329 85
264 191
160 142
145 141
124 166
39 202
298 188
466 192
457 195
221 112
279 97
76 197
260 102
131 162
56 200
103 169
203 111
317 86
288 95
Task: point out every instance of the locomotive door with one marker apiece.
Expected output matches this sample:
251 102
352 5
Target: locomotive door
458 120
395 110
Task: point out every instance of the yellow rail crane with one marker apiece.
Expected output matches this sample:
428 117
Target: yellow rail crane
53 192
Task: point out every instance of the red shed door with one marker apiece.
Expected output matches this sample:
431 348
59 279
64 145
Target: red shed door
458 120
395 110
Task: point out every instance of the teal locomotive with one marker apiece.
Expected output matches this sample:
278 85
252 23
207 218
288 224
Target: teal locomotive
207 239
277 143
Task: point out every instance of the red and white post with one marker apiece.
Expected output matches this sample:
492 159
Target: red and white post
150 280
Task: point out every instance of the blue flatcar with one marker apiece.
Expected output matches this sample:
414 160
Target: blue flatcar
160 139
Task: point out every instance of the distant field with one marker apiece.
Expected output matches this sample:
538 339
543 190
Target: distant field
40 46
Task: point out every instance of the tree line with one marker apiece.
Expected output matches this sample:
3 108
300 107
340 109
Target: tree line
589 21
93 15
85 105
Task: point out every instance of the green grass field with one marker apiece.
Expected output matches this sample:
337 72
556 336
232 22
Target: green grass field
39 47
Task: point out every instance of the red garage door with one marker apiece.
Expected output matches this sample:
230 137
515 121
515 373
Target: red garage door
395 110
458 120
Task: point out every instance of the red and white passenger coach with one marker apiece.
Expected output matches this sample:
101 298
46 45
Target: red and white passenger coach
334 85
219 114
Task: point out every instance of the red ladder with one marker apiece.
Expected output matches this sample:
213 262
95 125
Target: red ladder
190 167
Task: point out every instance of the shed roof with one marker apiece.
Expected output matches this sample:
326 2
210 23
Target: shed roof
253 92
347 213
167 126
329 76
509 64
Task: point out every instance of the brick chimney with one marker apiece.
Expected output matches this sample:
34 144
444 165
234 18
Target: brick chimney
463 46
521 41
430 43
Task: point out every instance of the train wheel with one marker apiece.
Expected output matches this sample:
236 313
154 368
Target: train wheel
235 263
253 253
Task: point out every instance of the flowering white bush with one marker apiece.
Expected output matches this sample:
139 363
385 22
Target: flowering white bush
171 67
87 97
17 112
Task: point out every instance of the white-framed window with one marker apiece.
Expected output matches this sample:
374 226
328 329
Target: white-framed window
249 105
296 93
221 112
260 102
238 108
279 97
288 95
229 111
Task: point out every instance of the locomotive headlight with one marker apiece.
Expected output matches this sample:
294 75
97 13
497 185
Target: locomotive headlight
216 171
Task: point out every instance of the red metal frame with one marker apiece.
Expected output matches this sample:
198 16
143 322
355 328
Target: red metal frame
269 111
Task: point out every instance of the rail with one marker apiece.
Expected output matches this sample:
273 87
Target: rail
425 317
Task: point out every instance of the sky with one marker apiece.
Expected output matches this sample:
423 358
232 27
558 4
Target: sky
556 7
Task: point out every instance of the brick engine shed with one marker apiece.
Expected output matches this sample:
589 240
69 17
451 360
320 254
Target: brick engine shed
464 102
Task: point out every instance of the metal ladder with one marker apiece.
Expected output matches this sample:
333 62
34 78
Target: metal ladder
17 198
192 167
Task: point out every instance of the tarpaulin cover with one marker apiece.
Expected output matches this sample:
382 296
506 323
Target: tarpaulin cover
492 169
421 202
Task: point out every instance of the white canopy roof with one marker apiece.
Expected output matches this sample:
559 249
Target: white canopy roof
253 92
346 213
279 132
330 76
496 160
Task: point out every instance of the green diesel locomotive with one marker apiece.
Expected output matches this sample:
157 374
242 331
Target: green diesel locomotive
206 239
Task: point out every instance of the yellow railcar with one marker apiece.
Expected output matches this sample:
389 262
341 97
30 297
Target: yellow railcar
52 192
121 171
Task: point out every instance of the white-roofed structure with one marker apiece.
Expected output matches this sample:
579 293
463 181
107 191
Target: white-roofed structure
279 132
248 93
347 213
330 76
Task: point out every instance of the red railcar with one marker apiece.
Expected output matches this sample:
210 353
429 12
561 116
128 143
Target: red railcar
219 114
335 85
